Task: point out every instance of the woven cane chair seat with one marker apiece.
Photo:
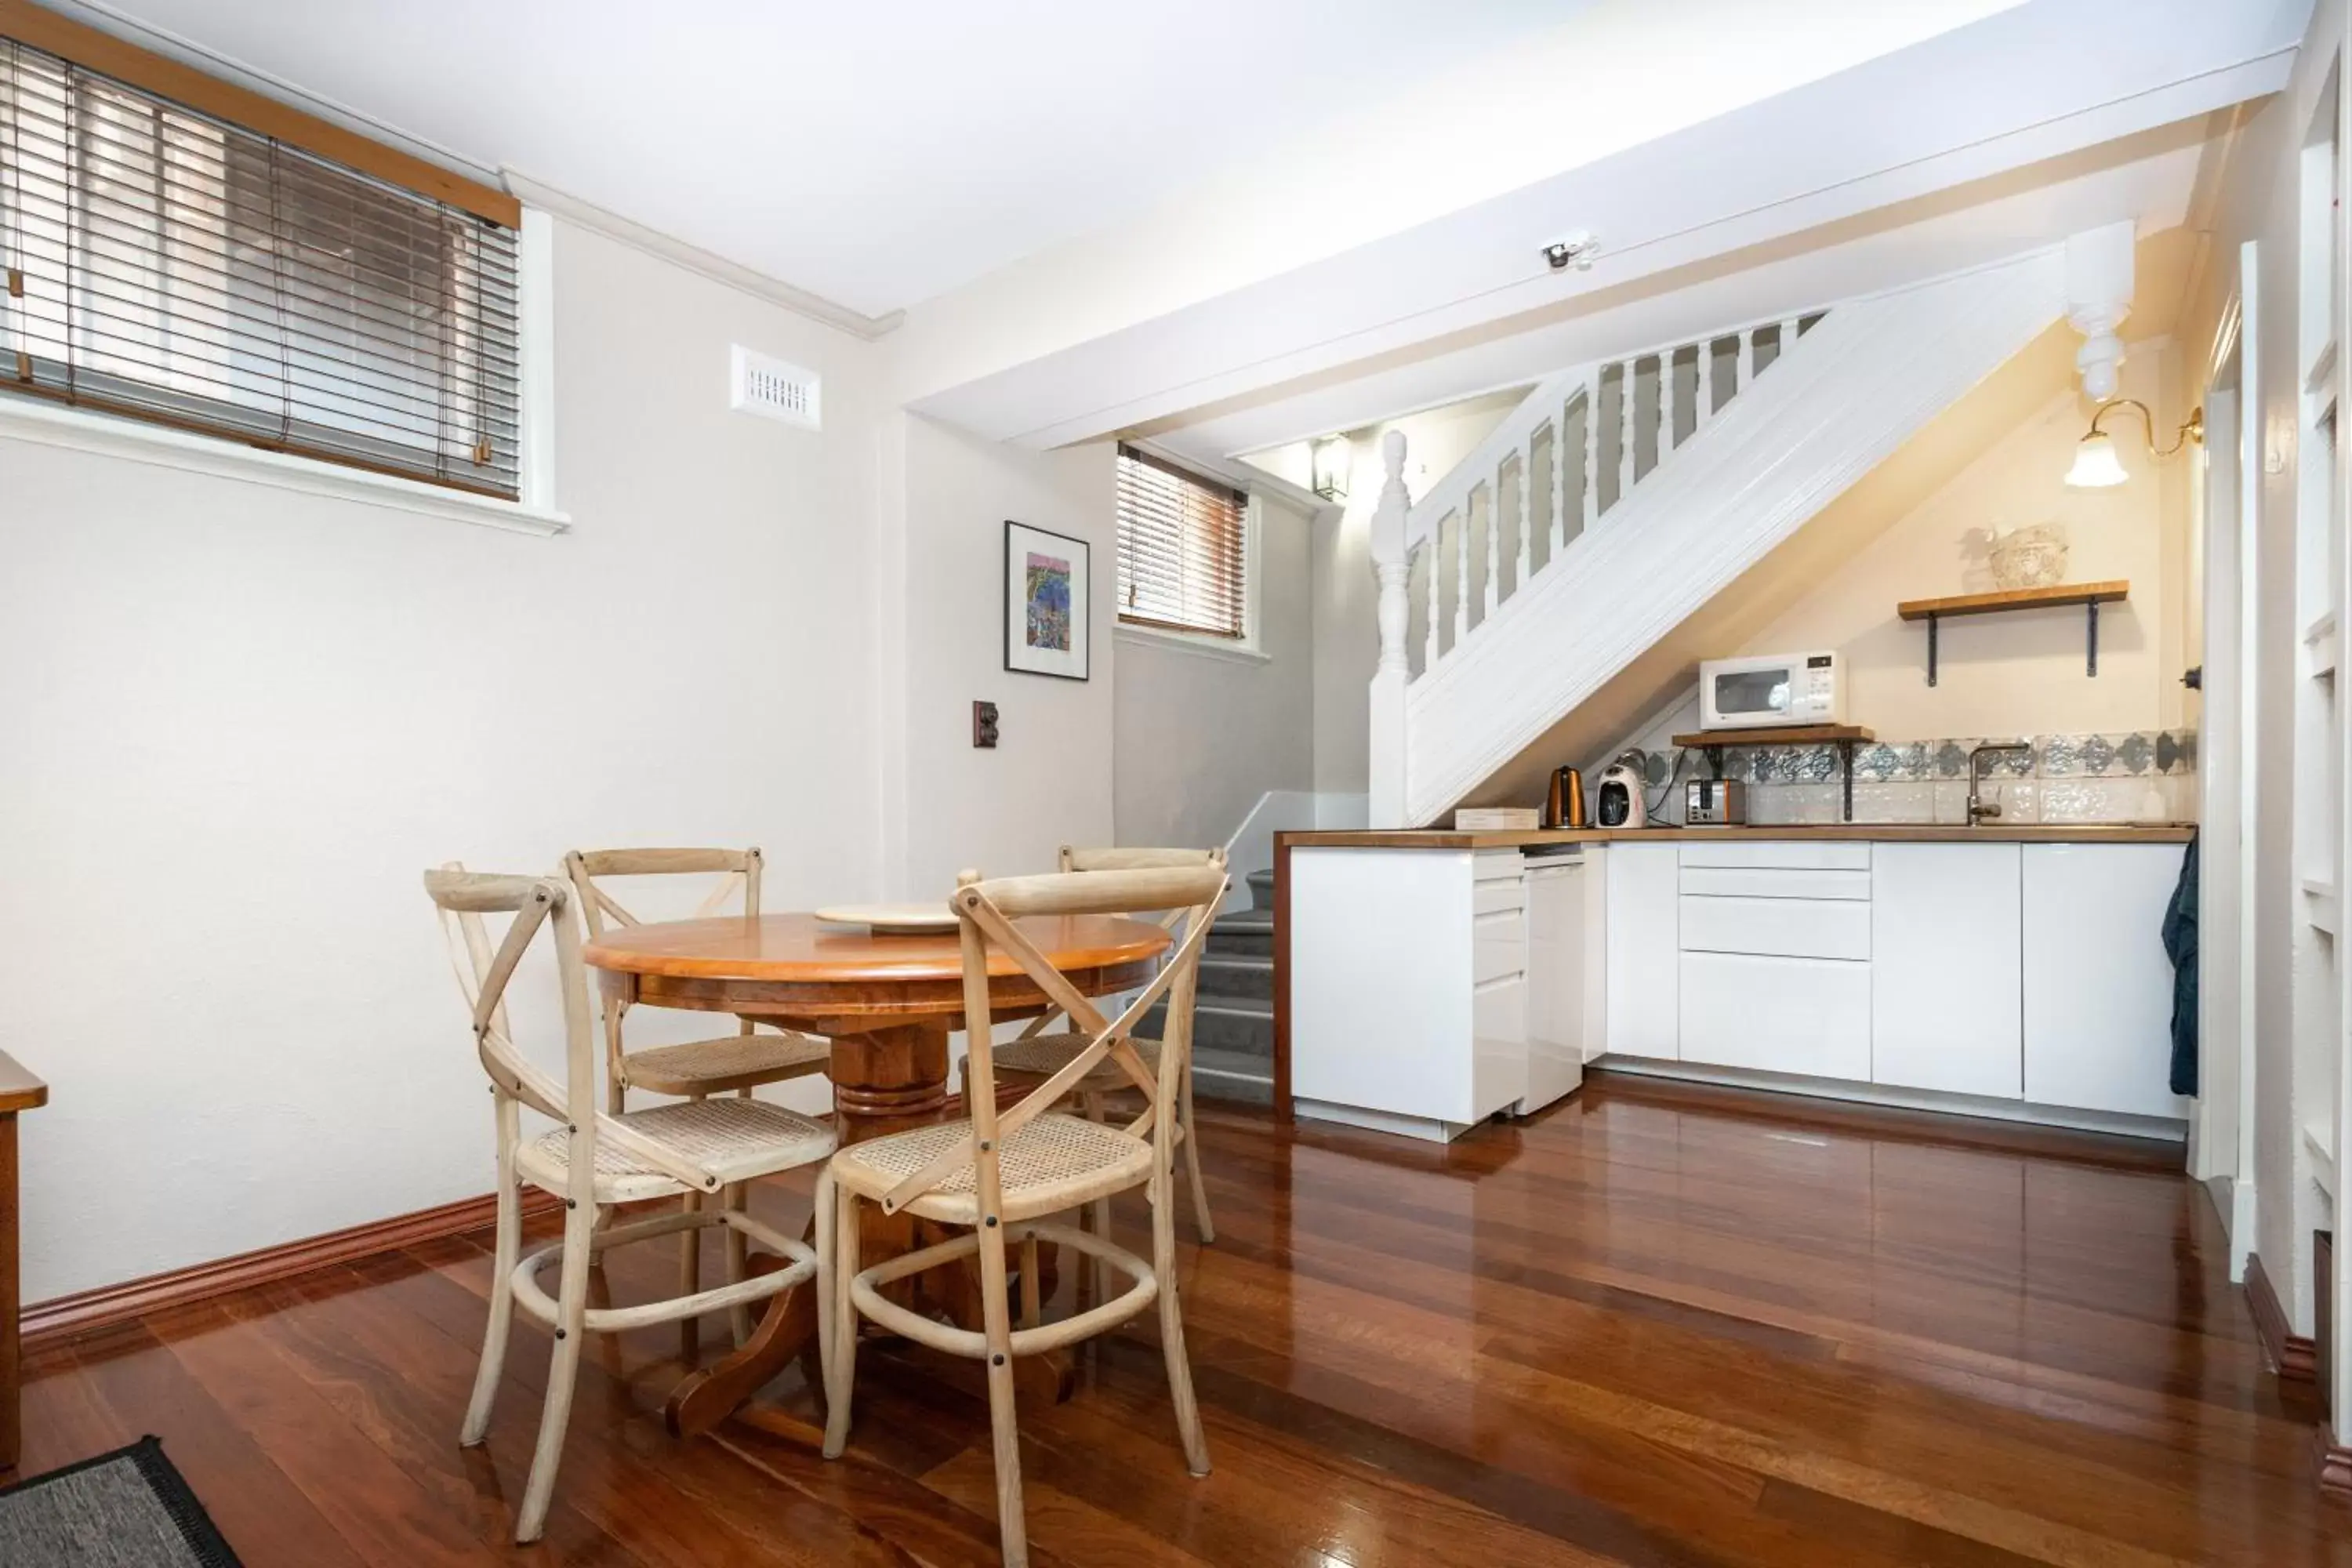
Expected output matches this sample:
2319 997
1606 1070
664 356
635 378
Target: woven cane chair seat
1042 1056
722 1065
1054 1161
734 1138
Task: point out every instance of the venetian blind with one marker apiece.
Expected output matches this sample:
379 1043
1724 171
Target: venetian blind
170 267
1181 555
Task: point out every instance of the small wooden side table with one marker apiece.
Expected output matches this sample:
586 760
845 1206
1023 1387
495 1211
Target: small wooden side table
20 1091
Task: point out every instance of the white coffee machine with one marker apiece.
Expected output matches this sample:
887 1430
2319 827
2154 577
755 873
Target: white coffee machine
1617 796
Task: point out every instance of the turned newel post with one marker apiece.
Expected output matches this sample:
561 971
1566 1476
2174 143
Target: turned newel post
1390 569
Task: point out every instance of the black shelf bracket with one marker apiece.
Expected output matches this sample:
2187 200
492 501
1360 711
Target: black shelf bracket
2091 644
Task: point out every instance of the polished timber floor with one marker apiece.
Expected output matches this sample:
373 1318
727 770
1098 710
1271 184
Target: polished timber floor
1650 1326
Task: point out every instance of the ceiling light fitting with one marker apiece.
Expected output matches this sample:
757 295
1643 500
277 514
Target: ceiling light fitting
1577 251
2096 464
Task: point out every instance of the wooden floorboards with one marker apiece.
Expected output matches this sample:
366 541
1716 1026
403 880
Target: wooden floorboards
1646 1327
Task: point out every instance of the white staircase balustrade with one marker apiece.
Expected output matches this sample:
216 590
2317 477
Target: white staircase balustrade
1778 419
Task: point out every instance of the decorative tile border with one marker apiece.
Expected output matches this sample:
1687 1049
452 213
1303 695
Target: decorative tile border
2137 754
2139 776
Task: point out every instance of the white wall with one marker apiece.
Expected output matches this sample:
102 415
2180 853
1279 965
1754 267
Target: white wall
247 719
2019 674
1202 733
1048 782
1347 631
2259 203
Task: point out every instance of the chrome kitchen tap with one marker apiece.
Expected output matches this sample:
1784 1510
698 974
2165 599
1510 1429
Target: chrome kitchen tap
1978 808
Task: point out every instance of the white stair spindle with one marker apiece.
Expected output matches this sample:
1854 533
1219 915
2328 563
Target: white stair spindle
1521 517
1559 483
1703 389
1588 479
1430 599
1462 574
1668 401
1625 434
1787 339
1748 358
1493 596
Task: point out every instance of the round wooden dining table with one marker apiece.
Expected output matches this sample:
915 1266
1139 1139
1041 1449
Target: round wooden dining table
887 1004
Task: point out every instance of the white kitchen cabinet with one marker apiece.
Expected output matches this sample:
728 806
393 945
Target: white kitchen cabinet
1804 1015
2097 984
1644 986
1407 986
1560 989
1947 1000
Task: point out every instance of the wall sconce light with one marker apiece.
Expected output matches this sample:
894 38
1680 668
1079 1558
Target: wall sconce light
2095 465
1330 458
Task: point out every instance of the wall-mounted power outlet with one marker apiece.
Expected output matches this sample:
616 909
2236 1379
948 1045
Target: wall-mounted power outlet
759 385
983 726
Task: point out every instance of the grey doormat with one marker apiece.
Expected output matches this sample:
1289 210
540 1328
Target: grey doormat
129 1508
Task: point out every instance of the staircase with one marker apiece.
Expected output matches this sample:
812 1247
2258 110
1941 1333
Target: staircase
1233 1015
1619 498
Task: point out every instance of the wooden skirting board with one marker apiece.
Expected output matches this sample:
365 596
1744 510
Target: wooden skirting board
2293 1355
2334 1463
84 1312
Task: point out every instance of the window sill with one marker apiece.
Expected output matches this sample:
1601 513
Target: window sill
77 429
1206 647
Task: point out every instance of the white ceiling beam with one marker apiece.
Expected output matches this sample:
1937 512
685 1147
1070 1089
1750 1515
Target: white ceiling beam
2035 83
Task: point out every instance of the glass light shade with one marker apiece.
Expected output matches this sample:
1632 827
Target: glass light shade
1330 477
2095 467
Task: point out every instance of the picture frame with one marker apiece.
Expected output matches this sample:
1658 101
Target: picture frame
1048 603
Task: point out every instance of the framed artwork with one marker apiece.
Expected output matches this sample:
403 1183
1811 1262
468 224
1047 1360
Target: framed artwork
1047 601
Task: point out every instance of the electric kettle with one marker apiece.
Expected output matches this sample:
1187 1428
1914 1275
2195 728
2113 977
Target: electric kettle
1564 805
1617 797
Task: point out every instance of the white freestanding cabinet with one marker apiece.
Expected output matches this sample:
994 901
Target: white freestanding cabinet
1562 991
1408 986
2098 986
1947 978
1642 927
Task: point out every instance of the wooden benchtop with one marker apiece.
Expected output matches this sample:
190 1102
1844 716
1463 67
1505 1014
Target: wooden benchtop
1884 832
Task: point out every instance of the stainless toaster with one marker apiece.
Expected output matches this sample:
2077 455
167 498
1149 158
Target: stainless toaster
1715 803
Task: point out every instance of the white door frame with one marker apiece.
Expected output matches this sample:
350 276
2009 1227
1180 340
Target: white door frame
2224 1156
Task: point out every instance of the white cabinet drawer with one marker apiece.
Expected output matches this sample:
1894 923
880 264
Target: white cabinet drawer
1498 945
1493 898
1497 865
1499 1008
1784 928
1774 882
1803 1015
1799 854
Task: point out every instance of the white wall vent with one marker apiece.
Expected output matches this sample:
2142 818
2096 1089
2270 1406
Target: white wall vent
761 385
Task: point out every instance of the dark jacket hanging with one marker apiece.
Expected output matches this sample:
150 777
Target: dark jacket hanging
2181 946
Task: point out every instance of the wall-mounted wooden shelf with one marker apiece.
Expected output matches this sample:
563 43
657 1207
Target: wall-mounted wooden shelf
2090 595
1767 735
1844 737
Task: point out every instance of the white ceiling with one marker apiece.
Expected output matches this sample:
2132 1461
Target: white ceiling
877 154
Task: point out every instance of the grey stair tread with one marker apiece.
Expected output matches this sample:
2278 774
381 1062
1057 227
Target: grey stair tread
1232 1076
1246 917
1260 879
1236 1006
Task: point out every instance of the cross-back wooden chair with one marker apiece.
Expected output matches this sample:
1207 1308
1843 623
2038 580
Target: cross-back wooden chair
737 1063
998 1174
1041 1051
593 1159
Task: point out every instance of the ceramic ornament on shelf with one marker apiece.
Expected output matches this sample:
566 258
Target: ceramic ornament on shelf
2033 556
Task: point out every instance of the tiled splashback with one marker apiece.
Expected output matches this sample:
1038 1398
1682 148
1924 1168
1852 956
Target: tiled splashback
2146 776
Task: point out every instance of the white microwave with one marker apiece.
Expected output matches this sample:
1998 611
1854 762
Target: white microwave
1763 690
